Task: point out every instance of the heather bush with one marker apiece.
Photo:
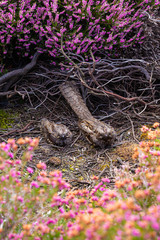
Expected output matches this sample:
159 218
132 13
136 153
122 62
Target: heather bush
38 205
29 25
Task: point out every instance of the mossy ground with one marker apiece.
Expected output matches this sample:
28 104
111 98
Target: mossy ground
7 118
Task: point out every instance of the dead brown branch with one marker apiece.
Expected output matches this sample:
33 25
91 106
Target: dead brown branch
17 130
20 72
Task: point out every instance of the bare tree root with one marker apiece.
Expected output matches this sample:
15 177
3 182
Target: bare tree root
11 77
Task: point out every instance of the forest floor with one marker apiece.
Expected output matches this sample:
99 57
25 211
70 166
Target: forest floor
81 160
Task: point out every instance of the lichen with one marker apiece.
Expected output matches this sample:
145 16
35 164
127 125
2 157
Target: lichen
6 118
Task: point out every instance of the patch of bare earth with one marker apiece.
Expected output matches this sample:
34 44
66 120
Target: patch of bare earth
81 160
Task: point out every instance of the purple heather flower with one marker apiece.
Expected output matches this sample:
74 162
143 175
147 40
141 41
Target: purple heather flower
62 30
30 170
71 25
158 198
79 11
2 179
34 184
51 221
89 11
61 209
84 2
10 154
105 180
156 225
20 199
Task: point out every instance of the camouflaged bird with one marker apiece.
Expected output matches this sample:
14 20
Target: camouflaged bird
97 132
57 134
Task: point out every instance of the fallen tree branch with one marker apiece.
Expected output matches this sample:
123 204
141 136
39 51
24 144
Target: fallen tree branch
21 71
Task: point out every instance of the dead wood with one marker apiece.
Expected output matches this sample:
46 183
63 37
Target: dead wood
97 132
11 77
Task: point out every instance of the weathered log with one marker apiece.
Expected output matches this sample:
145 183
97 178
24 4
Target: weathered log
97 132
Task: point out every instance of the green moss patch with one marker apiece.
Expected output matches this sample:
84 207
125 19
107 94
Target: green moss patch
6 118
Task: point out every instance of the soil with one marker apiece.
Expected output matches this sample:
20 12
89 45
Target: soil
81 160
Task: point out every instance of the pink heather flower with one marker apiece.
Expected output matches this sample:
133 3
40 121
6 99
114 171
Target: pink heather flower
158 198
7 147
84 2
55 5
30 148
136 232
89 11
13 173
105 180
18 161
18 173
72 214
19 198
154 152
51 221
94 198
17 181
69 224
129 188
106 225
71 25
79 11
30 170
122 40
156 226
110 47
144 129
143 224
61 209
79 29
2 178
57 173
34 184
62 30
89 234
59 35
118 238
11 235
41 165
55 38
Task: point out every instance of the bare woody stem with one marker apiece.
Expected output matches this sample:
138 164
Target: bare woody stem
73 97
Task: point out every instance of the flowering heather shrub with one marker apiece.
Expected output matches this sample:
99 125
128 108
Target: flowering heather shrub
40 205
29 25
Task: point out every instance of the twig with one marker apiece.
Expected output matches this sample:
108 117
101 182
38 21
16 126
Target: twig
75 140
17 131
132 129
